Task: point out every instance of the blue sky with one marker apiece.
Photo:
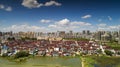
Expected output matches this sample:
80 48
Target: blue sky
53 15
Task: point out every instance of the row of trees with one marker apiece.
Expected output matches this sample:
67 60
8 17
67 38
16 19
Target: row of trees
110 53
77 39
28 38
22 38
20 54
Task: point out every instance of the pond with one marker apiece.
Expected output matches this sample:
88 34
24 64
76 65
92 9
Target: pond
43 62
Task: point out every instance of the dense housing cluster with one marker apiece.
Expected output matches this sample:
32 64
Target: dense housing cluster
53 48
55 43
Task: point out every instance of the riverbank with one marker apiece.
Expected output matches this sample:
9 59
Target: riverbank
100 61
87 61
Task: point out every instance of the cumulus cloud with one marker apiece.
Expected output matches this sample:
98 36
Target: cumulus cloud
45 21
102 25
113 27
50 3
66 24
106 27
81 23
60 24
31 4
6 8
36 4
86 16
52 26
2 6
24 28
63 22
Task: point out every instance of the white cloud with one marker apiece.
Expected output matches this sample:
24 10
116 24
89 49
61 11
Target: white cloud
113 27
109 18
106 27
2 6
52 26
117 27
66 24
36 4
50 3
102 25
80 23
45 21
86 16
63 22
31 4
24 28
6 8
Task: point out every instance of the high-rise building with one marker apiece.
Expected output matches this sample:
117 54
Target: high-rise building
106 37
71 32
83 32
119 37
88 32
62 33
0 33
98 35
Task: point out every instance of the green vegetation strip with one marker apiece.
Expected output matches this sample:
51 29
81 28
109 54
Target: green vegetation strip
114 45
87 61
101 61
76 39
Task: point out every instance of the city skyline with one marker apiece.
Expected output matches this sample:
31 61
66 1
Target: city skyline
62 15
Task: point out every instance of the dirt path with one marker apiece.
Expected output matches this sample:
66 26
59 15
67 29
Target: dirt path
82 62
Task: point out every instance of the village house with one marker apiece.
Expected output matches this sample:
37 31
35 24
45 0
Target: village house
52 48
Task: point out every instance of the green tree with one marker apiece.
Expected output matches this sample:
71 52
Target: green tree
99 51
5 55
21 54
118 53
108 52
10 38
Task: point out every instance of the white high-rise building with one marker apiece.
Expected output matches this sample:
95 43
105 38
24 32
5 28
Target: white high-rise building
119 36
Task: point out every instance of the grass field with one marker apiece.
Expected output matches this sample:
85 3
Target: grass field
101 61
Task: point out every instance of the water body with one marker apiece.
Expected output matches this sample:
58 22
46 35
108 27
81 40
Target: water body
43 62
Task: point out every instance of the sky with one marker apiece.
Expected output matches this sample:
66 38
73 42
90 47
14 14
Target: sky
59 15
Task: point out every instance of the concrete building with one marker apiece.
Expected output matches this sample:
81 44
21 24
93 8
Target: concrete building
86 32
83 32
61 34
106 37
4 49
119 38
98 35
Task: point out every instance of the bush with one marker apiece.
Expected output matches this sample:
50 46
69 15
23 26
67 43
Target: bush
108 52
99 51
21 54
10 39
5 55
77 39
118 53
27 38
